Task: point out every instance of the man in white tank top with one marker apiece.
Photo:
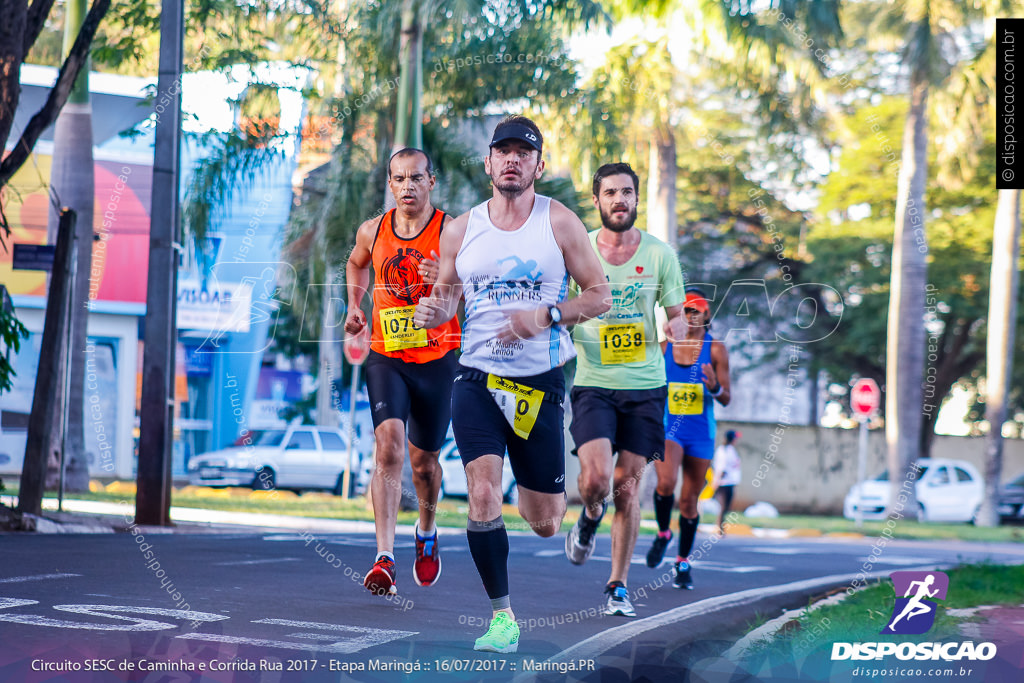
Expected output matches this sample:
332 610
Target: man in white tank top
511 257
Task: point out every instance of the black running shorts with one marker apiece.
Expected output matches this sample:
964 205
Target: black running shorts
632 419
538 462
417 392
725 493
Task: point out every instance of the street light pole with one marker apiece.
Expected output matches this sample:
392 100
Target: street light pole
156 429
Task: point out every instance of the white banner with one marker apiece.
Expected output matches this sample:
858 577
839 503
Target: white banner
218 307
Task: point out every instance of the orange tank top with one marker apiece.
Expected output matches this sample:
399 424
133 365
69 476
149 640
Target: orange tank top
398 286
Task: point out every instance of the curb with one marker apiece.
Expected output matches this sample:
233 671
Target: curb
210 520
599 644
771 628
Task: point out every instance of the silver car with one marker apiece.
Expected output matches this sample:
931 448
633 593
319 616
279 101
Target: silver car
298 458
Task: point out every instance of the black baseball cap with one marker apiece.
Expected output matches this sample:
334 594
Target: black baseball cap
515 131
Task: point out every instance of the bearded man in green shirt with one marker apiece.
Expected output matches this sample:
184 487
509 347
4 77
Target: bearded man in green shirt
618 401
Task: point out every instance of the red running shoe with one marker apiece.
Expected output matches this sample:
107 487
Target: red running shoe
381 579
427 567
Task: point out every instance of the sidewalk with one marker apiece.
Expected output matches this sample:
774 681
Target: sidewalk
90 517
1002 625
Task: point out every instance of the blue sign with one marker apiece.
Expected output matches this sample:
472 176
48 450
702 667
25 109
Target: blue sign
198 363
33 257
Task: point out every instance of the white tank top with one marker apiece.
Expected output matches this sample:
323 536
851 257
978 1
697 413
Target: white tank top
509 270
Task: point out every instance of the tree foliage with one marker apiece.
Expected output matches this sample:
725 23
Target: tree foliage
12 332
853 250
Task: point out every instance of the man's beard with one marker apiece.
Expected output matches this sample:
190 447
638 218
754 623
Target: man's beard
606 221
511 189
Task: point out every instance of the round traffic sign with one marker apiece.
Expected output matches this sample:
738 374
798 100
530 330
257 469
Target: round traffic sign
865 397
357 346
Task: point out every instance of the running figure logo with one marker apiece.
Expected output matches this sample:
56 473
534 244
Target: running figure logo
520 269
914 613
401 277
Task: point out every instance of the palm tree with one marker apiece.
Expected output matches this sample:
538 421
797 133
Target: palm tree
734 41
970 106
924 30
409 114
1002 316
1002 323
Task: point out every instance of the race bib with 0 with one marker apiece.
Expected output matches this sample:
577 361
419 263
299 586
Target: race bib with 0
398 331
519 404
622 343
685 398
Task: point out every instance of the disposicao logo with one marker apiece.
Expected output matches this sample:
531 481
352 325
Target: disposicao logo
914 614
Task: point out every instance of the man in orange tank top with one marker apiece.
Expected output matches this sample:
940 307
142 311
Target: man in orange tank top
409 371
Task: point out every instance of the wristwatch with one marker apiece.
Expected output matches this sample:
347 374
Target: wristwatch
556 315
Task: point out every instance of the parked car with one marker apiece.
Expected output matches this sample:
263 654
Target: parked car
301 457
1010 504
947 491
453 480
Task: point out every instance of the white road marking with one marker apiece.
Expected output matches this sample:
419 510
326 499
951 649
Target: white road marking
101 611
902 560
734 569
248 562
362 637
320 626
714 566
38 577
6 603
336 540
703 564
313 636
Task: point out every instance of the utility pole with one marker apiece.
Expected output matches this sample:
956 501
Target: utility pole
156 429
52 372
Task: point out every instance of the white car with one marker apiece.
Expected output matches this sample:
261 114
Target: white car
947 491
453 481
298 458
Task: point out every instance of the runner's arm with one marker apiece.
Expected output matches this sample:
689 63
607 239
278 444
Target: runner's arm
357 275
429 267
443 302
583 265
720 371
675 324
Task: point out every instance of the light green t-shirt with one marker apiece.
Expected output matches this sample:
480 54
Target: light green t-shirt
619 349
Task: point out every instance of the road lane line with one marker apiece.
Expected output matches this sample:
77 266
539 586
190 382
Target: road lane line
363 637
136 624
249 562
37 577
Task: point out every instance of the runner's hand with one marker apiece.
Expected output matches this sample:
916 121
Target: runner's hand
355 322
429 268
675 329
710 378
428 309
523 325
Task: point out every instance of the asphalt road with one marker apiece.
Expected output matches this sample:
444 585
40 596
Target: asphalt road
289 606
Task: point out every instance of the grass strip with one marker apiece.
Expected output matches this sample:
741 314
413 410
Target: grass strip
862 616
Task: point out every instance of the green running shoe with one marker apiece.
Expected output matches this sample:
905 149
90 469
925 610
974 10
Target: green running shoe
502 636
